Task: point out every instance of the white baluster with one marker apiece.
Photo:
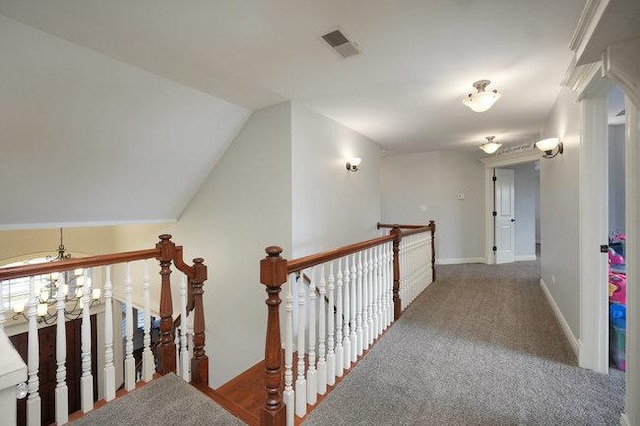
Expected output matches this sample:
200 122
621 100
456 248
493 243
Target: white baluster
148 361
2 307
370 298
363 338
376 292
176 342
347 310
184 351
86 380
389 285
129 361
331 356
322 332
62 393
354 309
312 378
339 348
289 394
382 270
33 359
109 368
301 382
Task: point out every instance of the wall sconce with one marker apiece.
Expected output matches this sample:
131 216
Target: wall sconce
353 164
548 145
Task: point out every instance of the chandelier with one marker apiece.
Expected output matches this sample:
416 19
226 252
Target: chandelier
46 289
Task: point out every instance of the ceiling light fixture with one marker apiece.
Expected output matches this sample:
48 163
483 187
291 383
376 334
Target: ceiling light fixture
548 145
353 164
483 100
490 146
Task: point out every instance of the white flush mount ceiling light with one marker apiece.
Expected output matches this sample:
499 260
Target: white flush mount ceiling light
548 145
483 100
490 146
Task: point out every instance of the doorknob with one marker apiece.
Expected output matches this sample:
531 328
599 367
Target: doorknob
513 220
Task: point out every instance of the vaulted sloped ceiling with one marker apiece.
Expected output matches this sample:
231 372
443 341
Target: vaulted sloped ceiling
87 139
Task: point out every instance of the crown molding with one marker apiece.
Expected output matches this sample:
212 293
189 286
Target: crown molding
585 22
621 63
579 77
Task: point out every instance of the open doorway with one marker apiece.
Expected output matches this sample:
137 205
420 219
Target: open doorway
513 192
617 273
516 200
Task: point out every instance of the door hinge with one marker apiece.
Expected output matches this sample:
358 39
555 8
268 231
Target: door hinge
495 214
494 178
495 248
604 248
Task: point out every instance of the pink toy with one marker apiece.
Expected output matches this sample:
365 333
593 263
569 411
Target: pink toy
620 282
615 258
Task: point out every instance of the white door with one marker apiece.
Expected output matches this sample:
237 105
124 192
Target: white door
505 216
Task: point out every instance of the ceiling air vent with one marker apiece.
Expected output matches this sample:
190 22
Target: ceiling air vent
341 44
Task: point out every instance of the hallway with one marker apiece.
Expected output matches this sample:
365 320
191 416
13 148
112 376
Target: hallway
479 347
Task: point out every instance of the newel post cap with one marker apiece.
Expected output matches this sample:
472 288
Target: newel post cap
273 268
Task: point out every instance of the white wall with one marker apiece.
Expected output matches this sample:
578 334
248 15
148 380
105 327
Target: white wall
616 178
560 210
525 211
332 206
87 139
243 207
434 180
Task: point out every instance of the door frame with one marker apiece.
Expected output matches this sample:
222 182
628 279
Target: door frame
490 164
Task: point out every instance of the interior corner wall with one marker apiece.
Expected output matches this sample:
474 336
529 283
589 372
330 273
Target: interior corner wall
434 180
242 207
616 179
332 206
560 210
525 211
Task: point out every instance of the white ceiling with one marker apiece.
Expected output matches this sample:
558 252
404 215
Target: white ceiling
418 57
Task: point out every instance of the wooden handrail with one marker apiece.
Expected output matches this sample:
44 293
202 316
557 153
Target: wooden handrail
274 270
388 225
82 262
167 253
301 263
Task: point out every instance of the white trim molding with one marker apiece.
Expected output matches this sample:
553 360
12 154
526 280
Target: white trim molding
621 63
460 261
525 257
586 17
575 343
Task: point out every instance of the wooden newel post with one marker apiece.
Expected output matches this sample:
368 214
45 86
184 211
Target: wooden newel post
397 306
166 349
200 361
273 273
432 224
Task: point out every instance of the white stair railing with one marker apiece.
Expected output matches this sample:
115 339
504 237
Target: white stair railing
346 298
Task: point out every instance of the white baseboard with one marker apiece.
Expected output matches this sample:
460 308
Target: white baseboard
575 344
624 420
459 261
525 257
